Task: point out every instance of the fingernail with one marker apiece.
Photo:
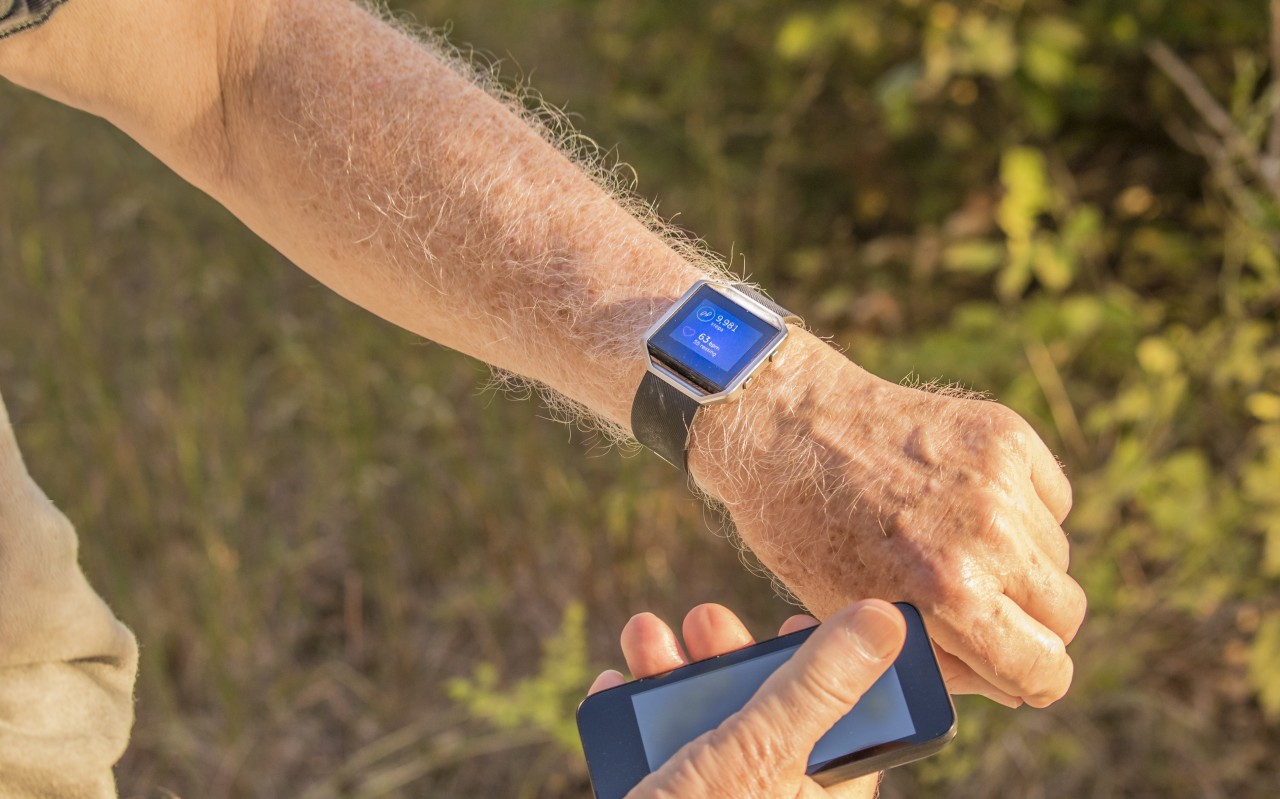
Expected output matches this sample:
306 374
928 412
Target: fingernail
876 632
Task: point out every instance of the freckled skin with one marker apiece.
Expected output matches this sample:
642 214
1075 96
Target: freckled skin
929 499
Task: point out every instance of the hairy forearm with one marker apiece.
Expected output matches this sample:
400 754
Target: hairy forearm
366 157
389 173
426 199
398 178
403 181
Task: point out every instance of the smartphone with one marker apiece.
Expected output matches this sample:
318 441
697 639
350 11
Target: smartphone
631 730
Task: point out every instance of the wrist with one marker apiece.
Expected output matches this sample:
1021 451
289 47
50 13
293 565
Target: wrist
745 451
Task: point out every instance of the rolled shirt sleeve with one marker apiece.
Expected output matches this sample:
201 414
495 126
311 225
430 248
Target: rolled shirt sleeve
19 15
67 665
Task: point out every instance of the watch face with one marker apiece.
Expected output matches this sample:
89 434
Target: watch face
711 340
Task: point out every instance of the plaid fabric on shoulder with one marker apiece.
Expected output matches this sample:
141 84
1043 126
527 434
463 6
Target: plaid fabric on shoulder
19 15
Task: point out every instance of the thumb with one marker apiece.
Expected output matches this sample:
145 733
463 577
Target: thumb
821 683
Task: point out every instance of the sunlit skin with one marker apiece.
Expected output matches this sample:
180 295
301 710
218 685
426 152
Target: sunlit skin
396 180
761 752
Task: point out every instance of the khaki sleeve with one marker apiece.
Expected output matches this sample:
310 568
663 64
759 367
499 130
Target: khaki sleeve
67 665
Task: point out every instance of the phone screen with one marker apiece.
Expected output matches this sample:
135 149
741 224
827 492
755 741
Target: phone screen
671 715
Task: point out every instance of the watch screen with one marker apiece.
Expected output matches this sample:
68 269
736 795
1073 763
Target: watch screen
711 339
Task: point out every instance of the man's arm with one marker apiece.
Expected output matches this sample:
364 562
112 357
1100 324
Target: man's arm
396 179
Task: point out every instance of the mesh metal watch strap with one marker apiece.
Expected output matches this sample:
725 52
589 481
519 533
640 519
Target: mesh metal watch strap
19 15
661 414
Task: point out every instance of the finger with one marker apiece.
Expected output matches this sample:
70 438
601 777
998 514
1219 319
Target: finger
1006 647
813 690
650 647
1040 526
867 787
1051 483
607 679
1049 596
711 630
961 679
797 623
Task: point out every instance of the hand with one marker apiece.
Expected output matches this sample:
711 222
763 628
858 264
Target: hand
762 750
859 487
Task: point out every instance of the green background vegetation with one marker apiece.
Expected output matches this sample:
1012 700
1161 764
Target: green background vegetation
345 559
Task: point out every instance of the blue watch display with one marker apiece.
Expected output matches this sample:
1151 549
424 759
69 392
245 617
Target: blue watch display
703 351
711 339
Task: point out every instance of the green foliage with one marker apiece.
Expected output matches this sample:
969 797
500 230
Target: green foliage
1262 665
547 700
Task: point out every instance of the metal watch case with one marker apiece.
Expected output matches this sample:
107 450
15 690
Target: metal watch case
748 304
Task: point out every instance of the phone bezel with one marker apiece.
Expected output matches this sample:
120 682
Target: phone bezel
615 751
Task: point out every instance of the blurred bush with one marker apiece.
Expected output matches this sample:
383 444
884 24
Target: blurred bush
313 524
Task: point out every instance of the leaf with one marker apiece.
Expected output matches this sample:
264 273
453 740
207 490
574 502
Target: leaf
1157 357
973 256
1048 54
894 92
798 38
1264 406
987 46
1051 265
1026 183
545 701
1264 665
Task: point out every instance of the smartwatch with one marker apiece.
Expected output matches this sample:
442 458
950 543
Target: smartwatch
704 350
18 15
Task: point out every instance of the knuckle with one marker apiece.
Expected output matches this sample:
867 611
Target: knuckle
1060 551
988 517
1068 497
980 529
831 688
739 741
1078 606
692 772
1005 437
954 584
746 739
1008 422
964 594
1037 672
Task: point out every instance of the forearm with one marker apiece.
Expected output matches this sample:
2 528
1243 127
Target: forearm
363 156
426 200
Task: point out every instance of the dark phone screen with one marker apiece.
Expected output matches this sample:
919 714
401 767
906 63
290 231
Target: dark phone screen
671 715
